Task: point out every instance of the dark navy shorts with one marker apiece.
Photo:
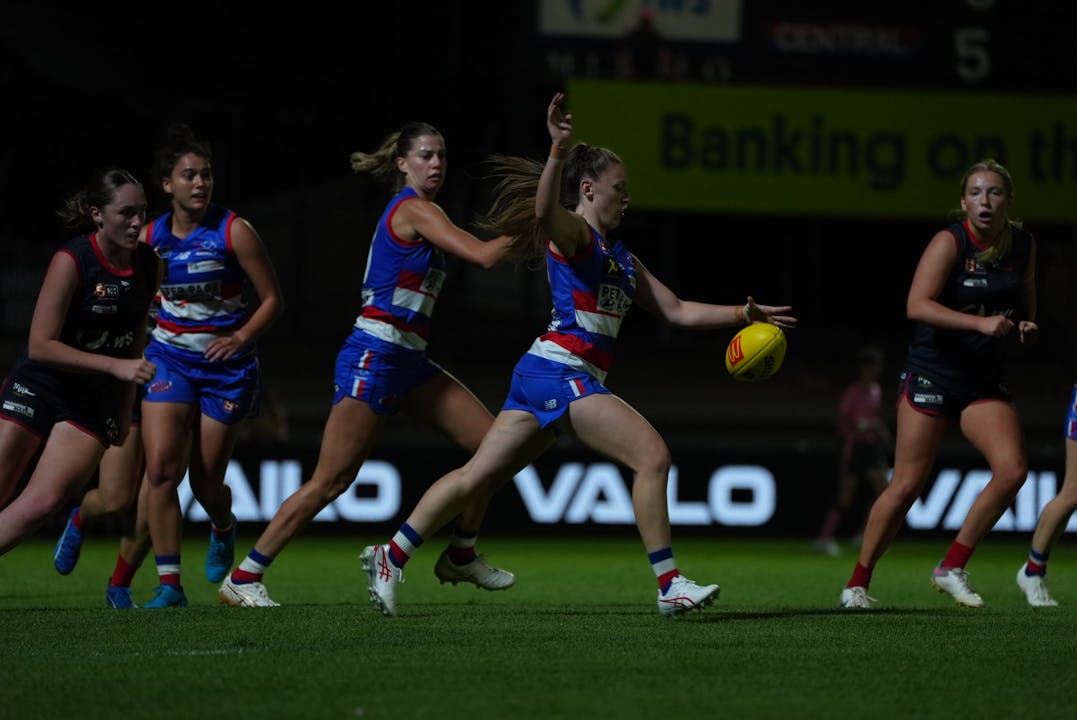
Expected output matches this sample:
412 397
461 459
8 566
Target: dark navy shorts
933 396
38 406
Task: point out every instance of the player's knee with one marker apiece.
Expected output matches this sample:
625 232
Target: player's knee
901 494
330 488
164 475
113 504
654 458
472 482
1011 475
1067 496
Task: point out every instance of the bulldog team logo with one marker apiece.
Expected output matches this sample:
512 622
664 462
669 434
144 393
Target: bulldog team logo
159 386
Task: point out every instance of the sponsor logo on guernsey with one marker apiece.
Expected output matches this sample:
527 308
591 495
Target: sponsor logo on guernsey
192 292
124 341
92 343
433 281
104 309
974 267
105 290
18 408
204 266
613 300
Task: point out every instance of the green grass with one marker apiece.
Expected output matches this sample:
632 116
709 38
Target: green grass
578 637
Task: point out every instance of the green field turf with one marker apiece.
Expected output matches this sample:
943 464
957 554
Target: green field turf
578 637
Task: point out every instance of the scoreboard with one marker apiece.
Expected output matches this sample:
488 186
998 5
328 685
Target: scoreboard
995 45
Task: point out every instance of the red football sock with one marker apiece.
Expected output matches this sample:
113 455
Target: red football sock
397 555
666 579
242 576
957 556
123 574
861 577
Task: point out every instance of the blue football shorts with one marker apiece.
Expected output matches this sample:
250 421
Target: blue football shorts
1071 416
548 397
379 374
226 390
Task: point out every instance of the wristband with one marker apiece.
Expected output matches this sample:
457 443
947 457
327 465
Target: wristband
740 314
555 151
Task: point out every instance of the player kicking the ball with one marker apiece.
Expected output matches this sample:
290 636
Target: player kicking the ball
558 385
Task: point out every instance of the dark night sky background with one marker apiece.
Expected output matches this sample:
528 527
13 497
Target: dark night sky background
286 94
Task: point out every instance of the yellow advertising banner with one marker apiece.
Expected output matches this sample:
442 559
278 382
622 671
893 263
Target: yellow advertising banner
824 151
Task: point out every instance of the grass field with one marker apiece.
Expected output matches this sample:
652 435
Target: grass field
578 637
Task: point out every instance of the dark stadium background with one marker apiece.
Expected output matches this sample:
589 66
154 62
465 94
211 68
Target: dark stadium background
285 95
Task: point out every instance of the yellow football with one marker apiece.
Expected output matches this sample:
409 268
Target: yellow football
756 352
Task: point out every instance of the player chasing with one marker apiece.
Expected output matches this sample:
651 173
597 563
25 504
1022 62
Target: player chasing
972 298
383 367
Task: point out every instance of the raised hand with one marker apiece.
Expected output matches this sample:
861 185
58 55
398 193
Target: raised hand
559 122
